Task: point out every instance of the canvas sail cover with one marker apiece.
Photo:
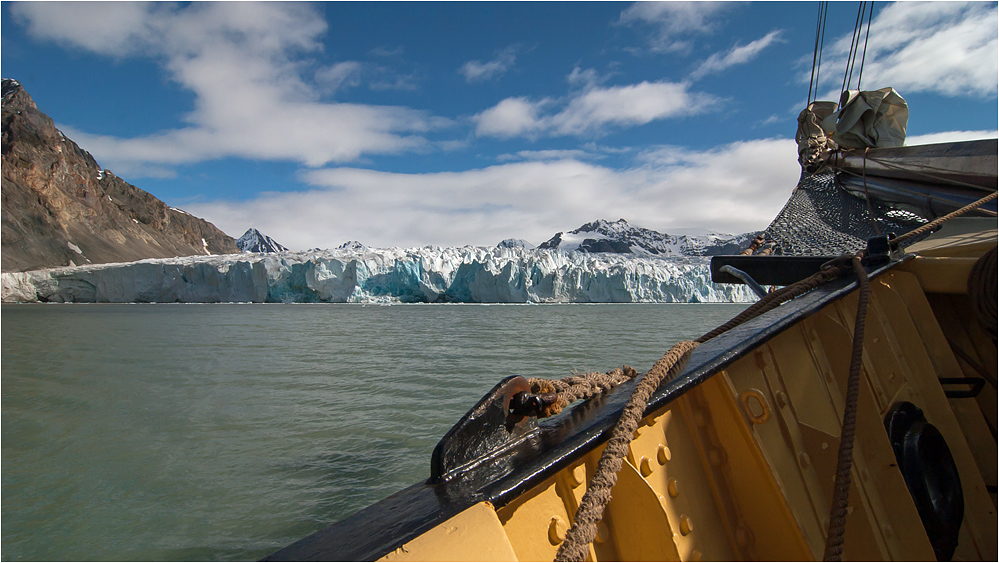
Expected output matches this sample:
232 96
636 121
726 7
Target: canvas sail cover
873 118
814 145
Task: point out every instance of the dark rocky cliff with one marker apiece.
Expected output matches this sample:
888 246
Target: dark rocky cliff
60 207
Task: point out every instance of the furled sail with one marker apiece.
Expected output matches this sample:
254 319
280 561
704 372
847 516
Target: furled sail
873 118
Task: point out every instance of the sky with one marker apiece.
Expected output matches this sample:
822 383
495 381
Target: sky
425 123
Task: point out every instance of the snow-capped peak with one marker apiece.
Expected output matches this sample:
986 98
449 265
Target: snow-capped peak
352 245
622 238
515 243
255 241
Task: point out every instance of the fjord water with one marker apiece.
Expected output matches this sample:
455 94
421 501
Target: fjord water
205 432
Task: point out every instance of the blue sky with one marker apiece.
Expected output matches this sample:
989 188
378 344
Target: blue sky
415 123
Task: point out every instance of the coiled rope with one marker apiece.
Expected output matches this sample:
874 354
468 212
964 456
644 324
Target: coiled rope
569 389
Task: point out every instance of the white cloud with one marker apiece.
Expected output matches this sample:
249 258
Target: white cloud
737 55
635 104
243 63
673 21
342 75
511 117
951 48
550 154
125 27
584 79
394 81
594 109
387 52
736 188
478 71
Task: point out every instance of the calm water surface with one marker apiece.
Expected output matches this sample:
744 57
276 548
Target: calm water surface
203 432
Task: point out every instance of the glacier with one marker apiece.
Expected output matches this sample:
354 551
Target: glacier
358 274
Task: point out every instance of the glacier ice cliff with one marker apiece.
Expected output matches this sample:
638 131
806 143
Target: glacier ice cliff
469 274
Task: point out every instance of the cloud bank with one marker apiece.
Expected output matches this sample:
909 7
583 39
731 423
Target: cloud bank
738 187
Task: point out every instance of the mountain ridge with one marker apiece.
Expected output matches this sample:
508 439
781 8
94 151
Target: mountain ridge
620 237
61 208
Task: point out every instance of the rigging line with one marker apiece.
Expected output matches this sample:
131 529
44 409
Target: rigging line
853 44
856 49
815 54
863 57
935 224
824 7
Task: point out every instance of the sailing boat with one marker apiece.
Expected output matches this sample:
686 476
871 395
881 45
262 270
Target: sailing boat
849 414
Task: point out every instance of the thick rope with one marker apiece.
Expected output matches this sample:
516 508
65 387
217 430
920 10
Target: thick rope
591 507
576 387
844 463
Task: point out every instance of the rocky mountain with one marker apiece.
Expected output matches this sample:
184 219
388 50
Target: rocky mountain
255 241
515 243
621 238
351 245
61 208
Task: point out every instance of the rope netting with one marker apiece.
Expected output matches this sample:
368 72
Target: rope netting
821 218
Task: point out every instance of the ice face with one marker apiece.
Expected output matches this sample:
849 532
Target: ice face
470 274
